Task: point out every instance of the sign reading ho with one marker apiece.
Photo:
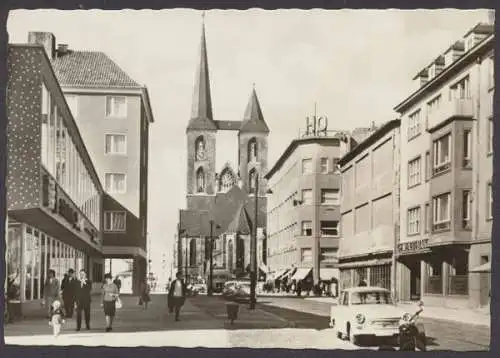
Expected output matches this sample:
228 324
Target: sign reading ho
415 245
316 125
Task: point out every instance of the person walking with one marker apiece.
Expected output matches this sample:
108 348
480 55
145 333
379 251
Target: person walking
144 297
50 291
110 294
68 287
177 295
83 300
118 283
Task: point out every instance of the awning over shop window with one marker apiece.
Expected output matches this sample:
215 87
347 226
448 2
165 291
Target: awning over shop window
280 273
327 274
365 263
483 268
301 273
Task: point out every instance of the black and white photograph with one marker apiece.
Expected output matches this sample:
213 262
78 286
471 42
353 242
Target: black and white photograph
298 179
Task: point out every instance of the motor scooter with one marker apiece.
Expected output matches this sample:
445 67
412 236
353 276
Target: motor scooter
411 333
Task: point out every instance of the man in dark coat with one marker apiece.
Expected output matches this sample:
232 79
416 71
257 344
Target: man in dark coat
69 287
177 295
83 299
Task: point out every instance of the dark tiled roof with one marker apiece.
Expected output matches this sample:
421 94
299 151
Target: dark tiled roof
91 69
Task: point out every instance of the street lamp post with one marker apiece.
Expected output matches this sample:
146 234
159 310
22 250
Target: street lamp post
186 259
253 248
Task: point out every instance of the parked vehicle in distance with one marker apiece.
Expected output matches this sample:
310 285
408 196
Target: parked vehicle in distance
199 288
242 292
229 289
367 312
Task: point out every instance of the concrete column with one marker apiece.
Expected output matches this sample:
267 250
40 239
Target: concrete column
444 276
423 277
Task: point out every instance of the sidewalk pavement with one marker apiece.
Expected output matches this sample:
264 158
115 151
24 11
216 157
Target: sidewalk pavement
480 317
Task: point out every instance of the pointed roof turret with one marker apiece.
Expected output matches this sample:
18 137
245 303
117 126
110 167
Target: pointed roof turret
253 120
201 112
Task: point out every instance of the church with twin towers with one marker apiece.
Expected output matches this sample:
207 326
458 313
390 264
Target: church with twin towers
220 201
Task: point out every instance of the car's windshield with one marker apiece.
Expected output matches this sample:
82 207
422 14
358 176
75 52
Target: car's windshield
367 298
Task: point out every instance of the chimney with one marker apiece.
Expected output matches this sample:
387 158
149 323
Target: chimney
47 39
62 49
421 78
454 52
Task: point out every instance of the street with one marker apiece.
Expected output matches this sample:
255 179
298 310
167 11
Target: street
280 322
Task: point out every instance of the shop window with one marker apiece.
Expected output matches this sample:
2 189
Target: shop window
434 282
13 260
306 228
329 228
442 154
458 278
329 196
380 276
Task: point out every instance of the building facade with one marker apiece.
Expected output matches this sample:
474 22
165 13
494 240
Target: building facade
223 196
54 195
369 208
113 114
304 210
446 176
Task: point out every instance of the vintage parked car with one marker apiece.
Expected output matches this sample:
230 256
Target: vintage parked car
241 292
367 312
229 289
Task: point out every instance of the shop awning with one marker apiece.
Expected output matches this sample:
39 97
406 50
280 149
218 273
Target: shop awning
264 269
328 273
301 273
280 273
365 263
483 268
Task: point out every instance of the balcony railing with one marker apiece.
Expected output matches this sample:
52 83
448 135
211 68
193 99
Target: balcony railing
460 107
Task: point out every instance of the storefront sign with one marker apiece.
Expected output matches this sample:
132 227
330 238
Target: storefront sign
49 193
416 245
67 212
315 125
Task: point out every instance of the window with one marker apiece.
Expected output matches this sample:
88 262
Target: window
116 144
252 150
414 221
335 166
200 180
115 183
115 221
330 196
307 197
490 135
306 255
72 101
414 125
306 166
460 90
428 166
116 106
306 228
251 180
329 228
428 218
441 208
489 198
414 175
467 148
434 104
323 163
442 154
328 255
466 209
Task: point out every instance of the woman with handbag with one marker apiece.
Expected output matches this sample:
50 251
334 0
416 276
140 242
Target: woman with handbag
110 300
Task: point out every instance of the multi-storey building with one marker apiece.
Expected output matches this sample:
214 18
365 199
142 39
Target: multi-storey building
369 207
113 114
54 196
221 196
446 176
303 208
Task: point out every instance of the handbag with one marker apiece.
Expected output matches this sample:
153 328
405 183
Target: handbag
140 301
118 303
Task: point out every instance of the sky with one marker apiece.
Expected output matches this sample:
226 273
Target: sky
355 64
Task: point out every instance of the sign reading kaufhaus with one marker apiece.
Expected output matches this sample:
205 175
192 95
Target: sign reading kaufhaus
412 246
55 201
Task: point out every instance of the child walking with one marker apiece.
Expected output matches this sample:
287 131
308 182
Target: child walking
56 317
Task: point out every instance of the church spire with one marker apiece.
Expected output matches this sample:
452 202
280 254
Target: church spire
253 120
201 112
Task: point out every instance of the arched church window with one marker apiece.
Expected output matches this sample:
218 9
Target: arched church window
251 180
226 180
192 252
200 180
252 150
199 145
